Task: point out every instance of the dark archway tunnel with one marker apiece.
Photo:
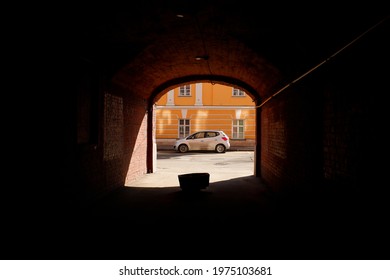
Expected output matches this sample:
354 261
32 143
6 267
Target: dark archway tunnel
320 140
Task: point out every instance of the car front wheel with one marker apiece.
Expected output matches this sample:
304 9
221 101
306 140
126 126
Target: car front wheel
220 148
183 148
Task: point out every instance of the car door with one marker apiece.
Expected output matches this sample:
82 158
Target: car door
197 141
210 140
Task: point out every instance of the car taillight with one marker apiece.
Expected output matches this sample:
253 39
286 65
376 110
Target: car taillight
225 138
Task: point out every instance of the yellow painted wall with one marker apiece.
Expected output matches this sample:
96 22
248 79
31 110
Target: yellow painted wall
220 116
162 100
223 95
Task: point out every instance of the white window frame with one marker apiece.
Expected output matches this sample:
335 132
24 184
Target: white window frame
237 124
185 90
238 92
185 127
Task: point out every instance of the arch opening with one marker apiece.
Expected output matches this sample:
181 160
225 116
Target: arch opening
208 105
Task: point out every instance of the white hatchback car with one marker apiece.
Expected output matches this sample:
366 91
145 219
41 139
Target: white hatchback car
205 140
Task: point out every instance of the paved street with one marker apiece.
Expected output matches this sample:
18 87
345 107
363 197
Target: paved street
237 216
225 166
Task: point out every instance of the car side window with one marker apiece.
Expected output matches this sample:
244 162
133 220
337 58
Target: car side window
199 135
211 134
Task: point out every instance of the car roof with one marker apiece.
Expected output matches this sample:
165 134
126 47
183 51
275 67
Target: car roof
208 130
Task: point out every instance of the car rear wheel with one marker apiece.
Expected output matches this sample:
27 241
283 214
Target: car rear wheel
183 148
220 148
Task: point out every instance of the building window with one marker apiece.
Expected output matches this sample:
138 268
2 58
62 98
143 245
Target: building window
238 129
238 92
184 128
185 90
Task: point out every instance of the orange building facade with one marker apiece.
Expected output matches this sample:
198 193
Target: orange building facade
193 107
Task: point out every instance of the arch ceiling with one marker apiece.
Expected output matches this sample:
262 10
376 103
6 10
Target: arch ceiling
152 46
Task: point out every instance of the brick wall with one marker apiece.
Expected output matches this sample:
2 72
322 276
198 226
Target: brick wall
291 155
119 155
135 138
